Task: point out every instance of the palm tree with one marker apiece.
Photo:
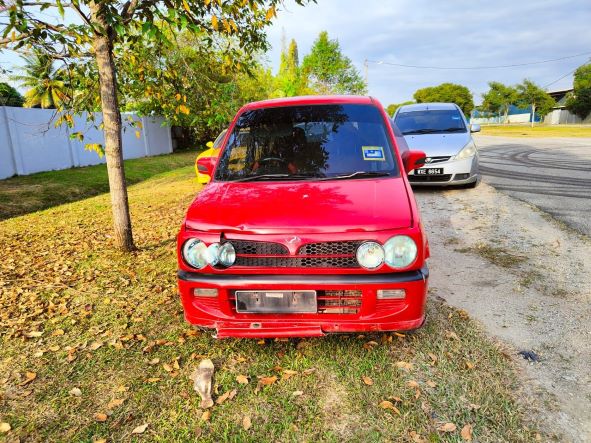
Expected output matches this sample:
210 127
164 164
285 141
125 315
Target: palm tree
47 88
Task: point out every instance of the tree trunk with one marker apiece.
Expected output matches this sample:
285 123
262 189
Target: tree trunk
533 114
506 116
103 48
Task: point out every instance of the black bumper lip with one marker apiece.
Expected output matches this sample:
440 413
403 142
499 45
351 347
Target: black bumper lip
324 279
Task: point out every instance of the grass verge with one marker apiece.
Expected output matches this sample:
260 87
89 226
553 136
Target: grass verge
28 193
93 346
537 131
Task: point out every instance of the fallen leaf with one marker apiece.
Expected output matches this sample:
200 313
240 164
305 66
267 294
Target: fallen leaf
29 377
5 427
206 415
267 380
385 404
39 354
246 422
115 403
76 392
222 398
309 371
58 332
287 373
100 440
154 361
405 366
433 357
399 334
242 379
416 437
447 427
100 417
54 348
34 334
167 367
370 344
469 364
466 432
297 393
431 383
153 380
452 335
95 345
367 380
140 429
122 389
232 394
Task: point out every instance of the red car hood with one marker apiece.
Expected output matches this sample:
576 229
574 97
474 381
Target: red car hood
361 205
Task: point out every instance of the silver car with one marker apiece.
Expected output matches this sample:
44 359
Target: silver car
443 133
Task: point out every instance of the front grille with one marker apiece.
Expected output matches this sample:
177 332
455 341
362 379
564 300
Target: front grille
297 262
330 248
338 254
429 178
339 302
438 159
248 247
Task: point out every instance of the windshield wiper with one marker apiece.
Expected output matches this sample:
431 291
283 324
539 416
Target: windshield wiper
271 177
454 129
419 131
358 174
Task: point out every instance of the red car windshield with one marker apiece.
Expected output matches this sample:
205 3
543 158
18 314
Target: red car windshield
308 142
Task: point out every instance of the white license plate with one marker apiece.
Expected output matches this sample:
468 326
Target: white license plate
429 171
276 302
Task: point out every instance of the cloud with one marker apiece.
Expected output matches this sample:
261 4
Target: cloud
452 33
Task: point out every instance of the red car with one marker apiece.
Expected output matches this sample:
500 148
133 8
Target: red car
308 226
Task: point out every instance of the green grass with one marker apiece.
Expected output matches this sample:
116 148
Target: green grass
537 130
29 193
114 314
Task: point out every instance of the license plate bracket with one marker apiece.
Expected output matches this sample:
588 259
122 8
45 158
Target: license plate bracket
276 302
429 171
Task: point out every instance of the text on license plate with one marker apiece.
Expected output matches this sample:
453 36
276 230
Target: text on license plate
429 171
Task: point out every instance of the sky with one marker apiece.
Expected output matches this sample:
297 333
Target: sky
450 33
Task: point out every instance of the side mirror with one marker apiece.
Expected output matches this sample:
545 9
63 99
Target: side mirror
209 145
206 165
414 160
475 127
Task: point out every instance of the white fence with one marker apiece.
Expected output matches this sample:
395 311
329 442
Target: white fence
29 141
511 118
564 117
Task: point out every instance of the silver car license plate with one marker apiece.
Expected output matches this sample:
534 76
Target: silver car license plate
429 171
276 302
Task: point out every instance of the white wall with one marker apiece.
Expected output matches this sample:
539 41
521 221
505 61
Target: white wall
511 118
30 142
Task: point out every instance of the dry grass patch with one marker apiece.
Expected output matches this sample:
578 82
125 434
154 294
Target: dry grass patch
93 345
537 131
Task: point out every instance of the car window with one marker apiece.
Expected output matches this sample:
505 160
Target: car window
430 121
218 141
314 141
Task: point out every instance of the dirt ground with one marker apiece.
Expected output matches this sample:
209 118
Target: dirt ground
525 276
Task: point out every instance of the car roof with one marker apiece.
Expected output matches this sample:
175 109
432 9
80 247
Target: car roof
427 107
311 100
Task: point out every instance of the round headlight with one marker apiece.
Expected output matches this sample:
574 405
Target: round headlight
370 255
198 255
227 254
401 251
194 253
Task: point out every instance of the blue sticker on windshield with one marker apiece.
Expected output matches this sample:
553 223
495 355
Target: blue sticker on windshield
375 153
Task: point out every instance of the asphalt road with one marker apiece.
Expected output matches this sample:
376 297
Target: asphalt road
553 174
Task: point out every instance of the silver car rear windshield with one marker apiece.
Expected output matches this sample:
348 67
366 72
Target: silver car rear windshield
430 121
308 142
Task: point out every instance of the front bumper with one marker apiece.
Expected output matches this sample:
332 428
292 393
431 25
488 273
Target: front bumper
373 315
455 172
